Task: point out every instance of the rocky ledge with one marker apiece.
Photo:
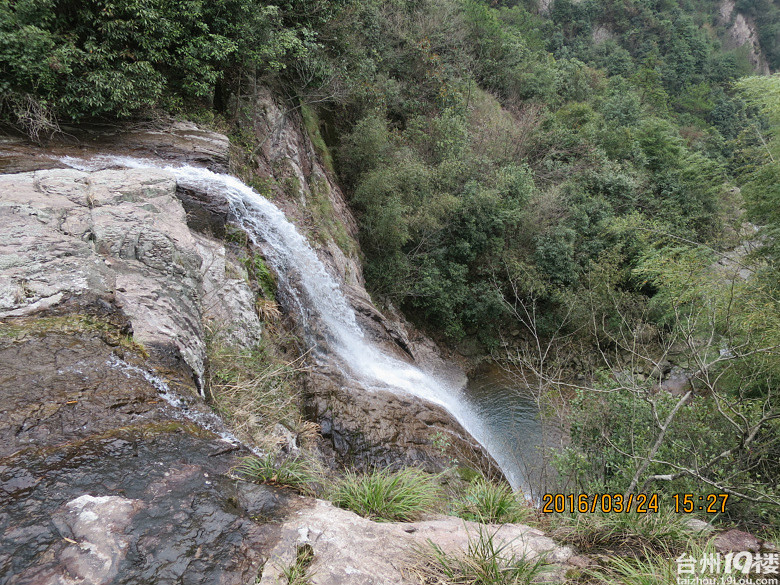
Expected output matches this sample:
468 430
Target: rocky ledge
108 280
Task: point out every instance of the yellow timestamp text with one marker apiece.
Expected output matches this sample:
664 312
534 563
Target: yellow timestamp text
625 503
710 503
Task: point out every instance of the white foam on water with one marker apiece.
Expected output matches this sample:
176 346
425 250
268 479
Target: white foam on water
310 291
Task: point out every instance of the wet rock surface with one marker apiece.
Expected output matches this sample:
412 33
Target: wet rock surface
101 481
382 428
149 503
59 387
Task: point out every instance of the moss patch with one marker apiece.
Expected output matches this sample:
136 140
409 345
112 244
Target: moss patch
324 217
312 124
20 328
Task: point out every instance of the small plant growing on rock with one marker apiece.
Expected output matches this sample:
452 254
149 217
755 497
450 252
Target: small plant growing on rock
299 473
487 561
491 503
298 572
385 495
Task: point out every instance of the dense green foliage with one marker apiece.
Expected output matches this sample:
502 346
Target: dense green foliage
466 199
586 163
113 59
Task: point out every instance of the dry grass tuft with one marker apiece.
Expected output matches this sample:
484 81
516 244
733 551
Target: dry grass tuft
256 390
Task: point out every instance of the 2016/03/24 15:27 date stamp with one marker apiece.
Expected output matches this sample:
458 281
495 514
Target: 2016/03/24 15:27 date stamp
639 503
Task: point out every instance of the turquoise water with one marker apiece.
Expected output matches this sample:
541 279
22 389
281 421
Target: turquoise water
510 411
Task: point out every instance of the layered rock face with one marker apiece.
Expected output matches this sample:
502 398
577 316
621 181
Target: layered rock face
108 279
119 235
101 481
135 240
102 284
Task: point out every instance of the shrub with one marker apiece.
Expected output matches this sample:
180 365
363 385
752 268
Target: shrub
116 59
385 495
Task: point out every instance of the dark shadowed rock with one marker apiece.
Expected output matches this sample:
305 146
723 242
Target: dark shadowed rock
101 481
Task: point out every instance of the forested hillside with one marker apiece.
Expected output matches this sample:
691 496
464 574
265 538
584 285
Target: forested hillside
577 173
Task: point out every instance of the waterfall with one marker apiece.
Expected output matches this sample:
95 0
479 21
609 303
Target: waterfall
312 293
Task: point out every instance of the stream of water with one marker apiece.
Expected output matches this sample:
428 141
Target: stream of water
500 419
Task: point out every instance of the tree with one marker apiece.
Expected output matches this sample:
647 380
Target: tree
718 431
760 172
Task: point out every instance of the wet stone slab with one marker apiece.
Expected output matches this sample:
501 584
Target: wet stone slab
144 505
101 481
57 387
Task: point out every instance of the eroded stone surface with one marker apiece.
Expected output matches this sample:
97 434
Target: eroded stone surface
350 550
98 525
172 140
735 541
382 428
117 234
121 235
58 387
102 481
145 504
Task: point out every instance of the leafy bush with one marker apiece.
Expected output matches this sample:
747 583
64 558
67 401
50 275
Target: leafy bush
115 59
384 495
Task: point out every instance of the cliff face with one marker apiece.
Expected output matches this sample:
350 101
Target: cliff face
109 280
154 252
742 32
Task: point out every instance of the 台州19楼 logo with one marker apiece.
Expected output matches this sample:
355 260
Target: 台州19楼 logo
741 568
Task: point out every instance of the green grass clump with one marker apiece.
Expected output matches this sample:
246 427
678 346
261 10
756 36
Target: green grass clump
299 473
625 532
653 569
648 568
298 572
491 503
487 561
393 496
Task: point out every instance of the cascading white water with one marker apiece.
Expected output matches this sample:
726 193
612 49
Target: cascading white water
312 292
